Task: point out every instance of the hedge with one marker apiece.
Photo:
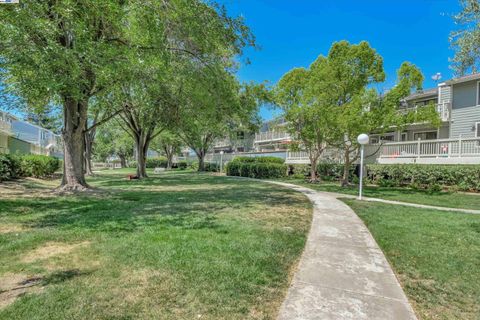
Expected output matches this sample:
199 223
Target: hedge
334 171
182 164
259 167
16 166
160 162
267 159
433 177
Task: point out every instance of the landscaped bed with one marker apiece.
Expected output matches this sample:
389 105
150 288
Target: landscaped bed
176 246
435 254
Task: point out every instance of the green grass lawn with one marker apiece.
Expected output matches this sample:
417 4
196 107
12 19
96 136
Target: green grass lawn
175 246
435 254
441 198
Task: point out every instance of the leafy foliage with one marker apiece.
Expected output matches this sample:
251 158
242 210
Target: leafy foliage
466 41
16 166
257 167
432 177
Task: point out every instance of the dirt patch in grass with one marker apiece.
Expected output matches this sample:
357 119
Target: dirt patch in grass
51 249
11 228
14 285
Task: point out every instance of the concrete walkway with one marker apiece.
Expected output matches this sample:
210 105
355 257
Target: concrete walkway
342 274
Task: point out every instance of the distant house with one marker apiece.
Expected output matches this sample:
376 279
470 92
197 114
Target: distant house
22 137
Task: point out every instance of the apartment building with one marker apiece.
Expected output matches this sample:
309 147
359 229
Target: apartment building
17 136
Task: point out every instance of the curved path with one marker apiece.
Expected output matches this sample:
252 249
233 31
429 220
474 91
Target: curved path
342 274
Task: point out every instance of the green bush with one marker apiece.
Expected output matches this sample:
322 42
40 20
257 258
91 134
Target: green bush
38 166
211 167
9 167
333 171
299 170
260 169
160 162
422 176
268 159
182 165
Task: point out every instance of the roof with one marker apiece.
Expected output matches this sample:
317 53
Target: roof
470 77
423 94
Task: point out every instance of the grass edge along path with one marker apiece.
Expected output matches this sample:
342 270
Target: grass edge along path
435 255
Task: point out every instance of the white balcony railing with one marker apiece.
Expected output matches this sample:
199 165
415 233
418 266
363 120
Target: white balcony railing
442 148
271 136
448 151
443 109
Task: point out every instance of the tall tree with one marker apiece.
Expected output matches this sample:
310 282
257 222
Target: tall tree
67 51
466 41
169 144
214 106
345 75
112 141
306 114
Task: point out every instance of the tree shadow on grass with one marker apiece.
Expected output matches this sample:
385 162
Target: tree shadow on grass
130 211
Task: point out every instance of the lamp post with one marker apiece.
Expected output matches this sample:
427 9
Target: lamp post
221 161
363 140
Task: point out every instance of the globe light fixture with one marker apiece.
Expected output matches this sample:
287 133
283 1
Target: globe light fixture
362 139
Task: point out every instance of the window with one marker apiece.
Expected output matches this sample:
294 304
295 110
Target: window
404 136
477 129
427 135
240 135
389 137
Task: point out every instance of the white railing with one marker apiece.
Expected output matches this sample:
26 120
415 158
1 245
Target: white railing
442 148
443 110
271 136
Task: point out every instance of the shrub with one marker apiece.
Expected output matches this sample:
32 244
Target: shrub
267 159
333 171
256 168
299 170
160 162
211 167
9 167
182 165
38 166
431 177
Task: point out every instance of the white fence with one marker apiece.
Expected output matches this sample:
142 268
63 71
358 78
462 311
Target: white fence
271 136
105 165
462 150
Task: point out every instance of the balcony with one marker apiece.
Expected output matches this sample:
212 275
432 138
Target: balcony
443 109
271 136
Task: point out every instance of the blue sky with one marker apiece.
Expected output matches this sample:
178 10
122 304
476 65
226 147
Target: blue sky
292 33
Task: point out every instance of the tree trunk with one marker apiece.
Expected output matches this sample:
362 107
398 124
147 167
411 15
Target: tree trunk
169 154
346 169
75 118
313 169
141 144
201 160
88 152
123 160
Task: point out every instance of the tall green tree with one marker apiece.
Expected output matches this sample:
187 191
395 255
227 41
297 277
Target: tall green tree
215 105
68 51
112 141
466 40
169 144
306 115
